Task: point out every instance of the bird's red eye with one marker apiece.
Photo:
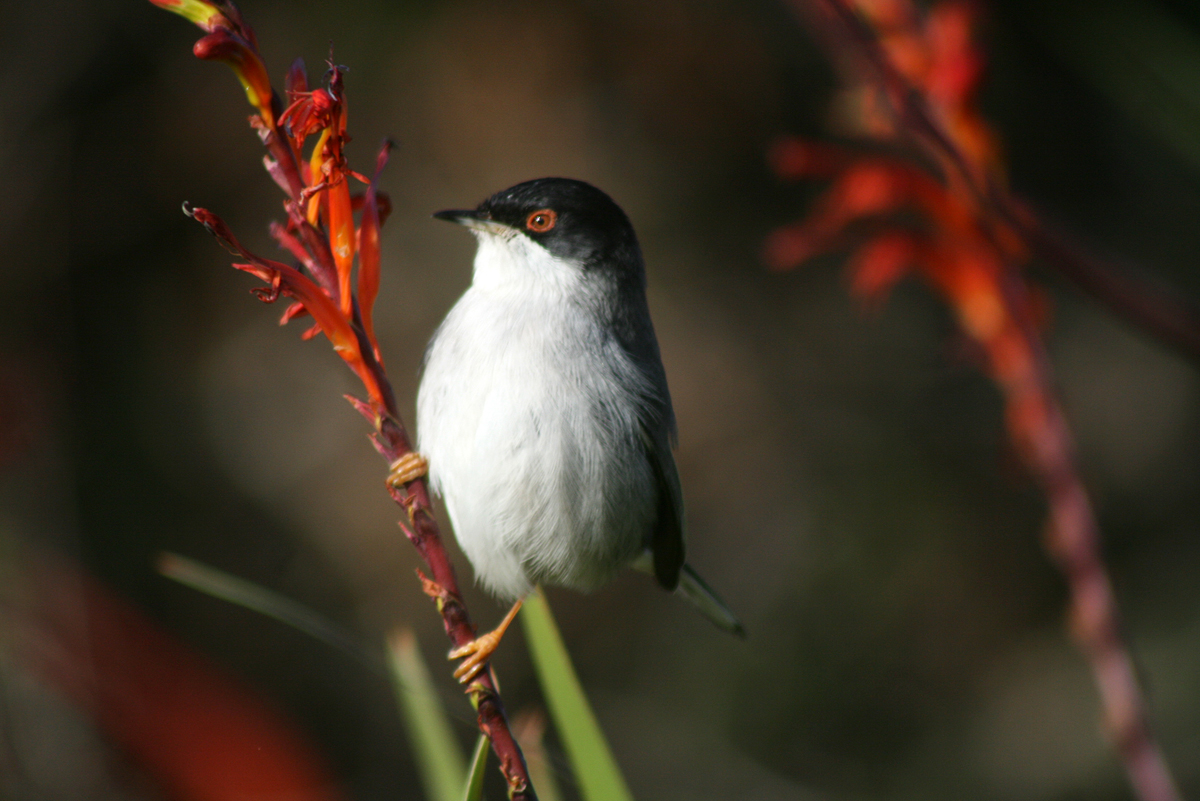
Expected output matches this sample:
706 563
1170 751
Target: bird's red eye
541 221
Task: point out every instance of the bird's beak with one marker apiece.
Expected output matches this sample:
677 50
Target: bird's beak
473 219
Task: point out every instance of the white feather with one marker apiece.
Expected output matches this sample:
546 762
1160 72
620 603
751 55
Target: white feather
527 413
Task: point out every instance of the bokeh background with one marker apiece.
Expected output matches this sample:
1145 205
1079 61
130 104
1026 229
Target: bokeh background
850 489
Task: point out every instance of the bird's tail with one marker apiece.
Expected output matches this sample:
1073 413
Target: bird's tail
702 596
696 591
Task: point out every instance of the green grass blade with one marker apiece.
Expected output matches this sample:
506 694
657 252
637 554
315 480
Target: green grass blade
440 760
591 759
439 757
478 769
248 595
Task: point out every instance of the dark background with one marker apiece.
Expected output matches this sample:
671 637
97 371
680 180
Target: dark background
850 488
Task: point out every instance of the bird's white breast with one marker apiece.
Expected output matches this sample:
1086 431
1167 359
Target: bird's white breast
523 404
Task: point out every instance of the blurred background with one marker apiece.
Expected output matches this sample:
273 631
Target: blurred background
850 487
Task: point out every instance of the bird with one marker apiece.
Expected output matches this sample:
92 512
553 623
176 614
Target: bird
543 414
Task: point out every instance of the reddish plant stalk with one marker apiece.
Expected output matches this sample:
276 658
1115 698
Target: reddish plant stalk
321 235
1072 538
981 262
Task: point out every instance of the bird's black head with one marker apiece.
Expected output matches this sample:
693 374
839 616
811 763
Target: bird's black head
571 219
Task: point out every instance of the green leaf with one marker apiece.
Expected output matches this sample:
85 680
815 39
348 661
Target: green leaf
591 759
440 760
479 759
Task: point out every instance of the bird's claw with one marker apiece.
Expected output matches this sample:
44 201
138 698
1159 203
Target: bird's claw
478 651
408 467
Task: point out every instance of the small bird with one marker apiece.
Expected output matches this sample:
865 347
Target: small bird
543 411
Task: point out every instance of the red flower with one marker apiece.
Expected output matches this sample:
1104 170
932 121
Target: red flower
905 219
955 226
320 231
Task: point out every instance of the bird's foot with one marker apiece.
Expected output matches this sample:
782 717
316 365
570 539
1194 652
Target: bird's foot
408 467
479 650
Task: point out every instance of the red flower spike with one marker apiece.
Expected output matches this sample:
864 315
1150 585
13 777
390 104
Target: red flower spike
879 264
296 81
292 312
866 188
217 227
232 41
286 280
324 106
870 187
277 173
970 280
341 238
318 248
368 250
790 246
383 202
289 242
226 46
205 15
315 195
793 158
363 408
956 67
307 113
321 236
917 76
328 196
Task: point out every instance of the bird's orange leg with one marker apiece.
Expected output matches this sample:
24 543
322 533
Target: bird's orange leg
479 650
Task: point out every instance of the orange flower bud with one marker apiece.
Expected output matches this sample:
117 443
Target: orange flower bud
226 46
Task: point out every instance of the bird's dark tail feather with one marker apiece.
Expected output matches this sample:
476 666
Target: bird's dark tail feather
702 596
696 591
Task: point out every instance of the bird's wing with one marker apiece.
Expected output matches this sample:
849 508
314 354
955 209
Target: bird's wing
667 539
